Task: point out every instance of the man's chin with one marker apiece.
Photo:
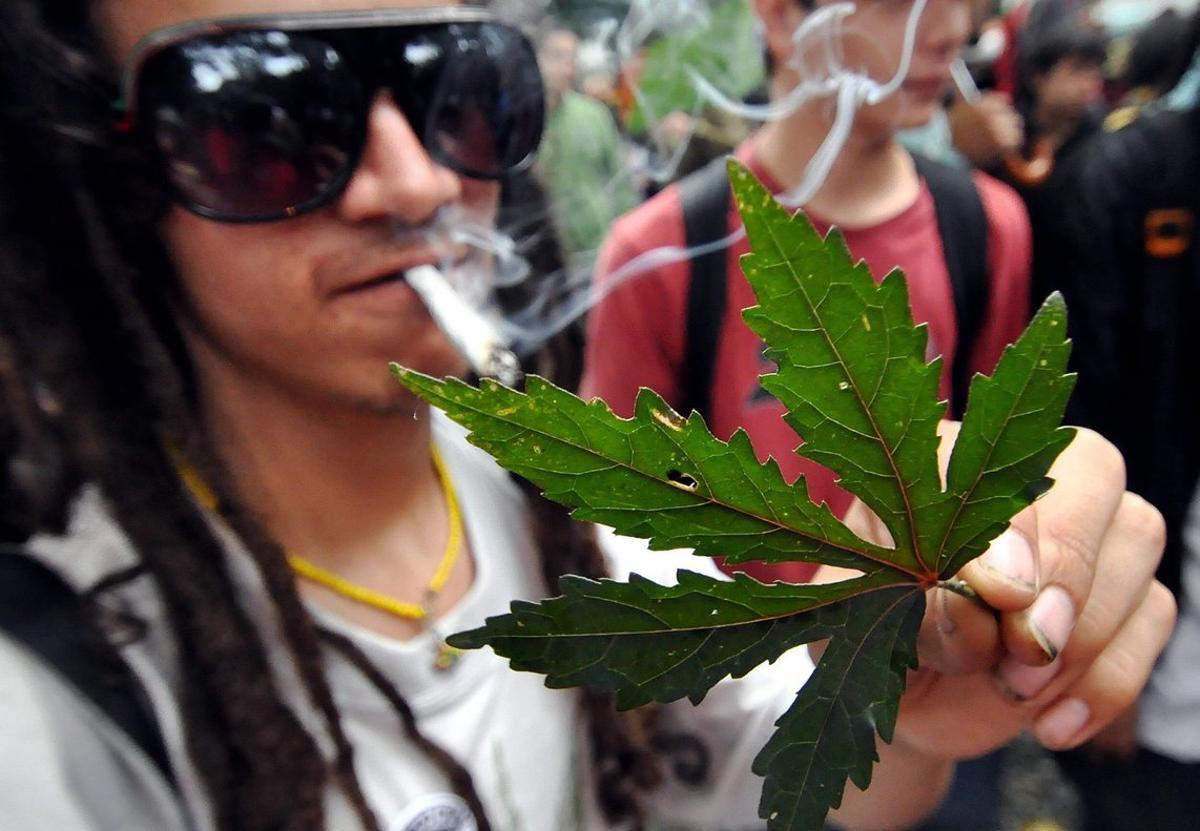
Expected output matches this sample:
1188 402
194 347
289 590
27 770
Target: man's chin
392 399
916 114
397 403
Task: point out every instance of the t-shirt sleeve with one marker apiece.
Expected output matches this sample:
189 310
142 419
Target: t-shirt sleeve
65 768
1010 258
635 332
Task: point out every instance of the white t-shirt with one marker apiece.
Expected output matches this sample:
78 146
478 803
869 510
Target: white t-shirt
529 759
523 743
1169 712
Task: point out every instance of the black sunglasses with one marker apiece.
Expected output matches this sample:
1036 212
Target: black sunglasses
263 118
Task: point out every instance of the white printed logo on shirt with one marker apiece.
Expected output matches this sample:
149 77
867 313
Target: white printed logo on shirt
435 812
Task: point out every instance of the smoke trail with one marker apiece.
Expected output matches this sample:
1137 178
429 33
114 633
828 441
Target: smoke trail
556 300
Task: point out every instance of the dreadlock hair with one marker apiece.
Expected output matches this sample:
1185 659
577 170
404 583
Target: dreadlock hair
96 386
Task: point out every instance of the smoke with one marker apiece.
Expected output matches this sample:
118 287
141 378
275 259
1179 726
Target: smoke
817 60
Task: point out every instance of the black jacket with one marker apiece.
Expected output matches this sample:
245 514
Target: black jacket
1134 315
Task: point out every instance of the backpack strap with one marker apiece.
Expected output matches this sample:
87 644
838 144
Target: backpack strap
963 227
705 196
49 618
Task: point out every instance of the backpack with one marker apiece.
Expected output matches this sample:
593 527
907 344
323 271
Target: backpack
42 613
962 225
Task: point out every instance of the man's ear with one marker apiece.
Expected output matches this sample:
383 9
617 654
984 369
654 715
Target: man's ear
780 19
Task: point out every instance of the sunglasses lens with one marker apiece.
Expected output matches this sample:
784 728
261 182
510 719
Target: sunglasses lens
263 124
254 125
474 93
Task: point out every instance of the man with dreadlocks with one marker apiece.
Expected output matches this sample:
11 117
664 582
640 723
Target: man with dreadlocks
269 538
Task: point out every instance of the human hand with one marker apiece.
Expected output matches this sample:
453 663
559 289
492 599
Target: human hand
1073 622
1118 740
987 130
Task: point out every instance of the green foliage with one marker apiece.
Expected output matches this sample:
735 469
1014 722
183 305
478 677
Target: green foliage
723 49
851 372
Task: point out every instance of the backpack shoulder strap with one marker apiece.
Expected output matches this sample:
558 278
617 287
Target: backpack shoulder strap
963 227
705 195
45 615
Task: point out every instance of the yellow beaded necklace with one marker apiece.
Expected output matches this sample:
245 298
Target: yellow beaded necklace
445 656
409 611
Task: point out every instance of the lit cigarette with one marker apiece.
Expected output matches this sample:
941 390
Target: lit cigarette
965 82
473 335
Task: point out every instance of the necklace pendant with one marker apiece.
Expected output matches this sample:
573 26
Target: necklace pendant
446 657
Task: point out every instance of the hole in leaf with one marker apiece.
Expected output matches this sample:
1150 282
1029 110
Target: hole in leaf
670 420
682 481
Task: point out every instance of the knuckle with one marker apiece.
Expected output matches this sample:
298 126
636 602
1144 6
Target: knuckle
1074 546
1162 606
1144 521
1107 463
1120 671
1122 684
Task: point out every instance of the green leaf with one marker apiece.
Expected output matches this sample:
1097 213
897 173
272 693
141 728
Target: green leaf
657 476
828 734
851 365
851 372
1009 438
643 641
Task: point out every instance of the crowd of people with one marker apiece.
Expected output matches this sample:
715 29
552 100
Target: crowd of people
233 546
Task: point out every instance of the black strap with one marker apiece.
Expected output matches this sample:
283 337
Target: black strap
705 195
963 227
39 610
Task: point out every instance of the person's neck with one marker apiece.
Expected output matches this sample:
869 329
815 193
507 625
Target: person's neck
872 180
332 481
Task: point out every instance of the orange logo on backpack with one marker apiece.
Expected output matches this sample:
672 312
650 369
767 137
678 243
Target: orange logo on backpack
1169 232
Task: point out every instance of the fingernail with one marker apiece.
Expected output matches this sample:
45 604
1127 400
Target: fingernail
1011 557
1061 724
1021 682
1052 620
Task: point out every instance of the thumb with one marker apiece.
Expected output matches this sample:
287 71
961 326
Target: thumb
1006 575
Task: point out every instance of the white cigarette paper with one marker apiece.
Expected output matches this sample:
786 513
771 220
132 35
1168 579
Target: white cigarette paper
473 335
965 82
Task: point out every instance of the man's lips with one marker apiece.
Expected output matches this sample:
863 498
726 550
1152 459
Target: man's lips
372 283
385 272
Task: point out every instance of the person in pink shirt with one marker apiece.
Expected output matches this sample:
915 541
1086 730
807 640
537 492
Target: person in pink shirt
637 335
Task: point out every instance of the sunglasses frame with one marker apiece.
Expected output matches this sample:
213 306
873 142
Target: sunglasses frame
161 39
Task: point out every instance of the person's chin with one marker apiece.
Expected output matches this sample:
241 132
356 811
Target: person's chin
389 400
441 362
916 114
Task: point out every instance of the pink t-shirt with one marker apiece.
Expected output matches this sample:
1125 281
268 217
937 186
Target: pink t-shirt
636 334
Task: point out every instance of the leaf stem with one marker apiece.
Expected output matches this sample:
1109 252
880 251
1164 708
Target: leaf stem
959 587
963 589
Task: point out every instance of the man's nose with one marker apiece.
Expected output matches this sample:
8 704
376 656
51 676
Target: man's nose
396 178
